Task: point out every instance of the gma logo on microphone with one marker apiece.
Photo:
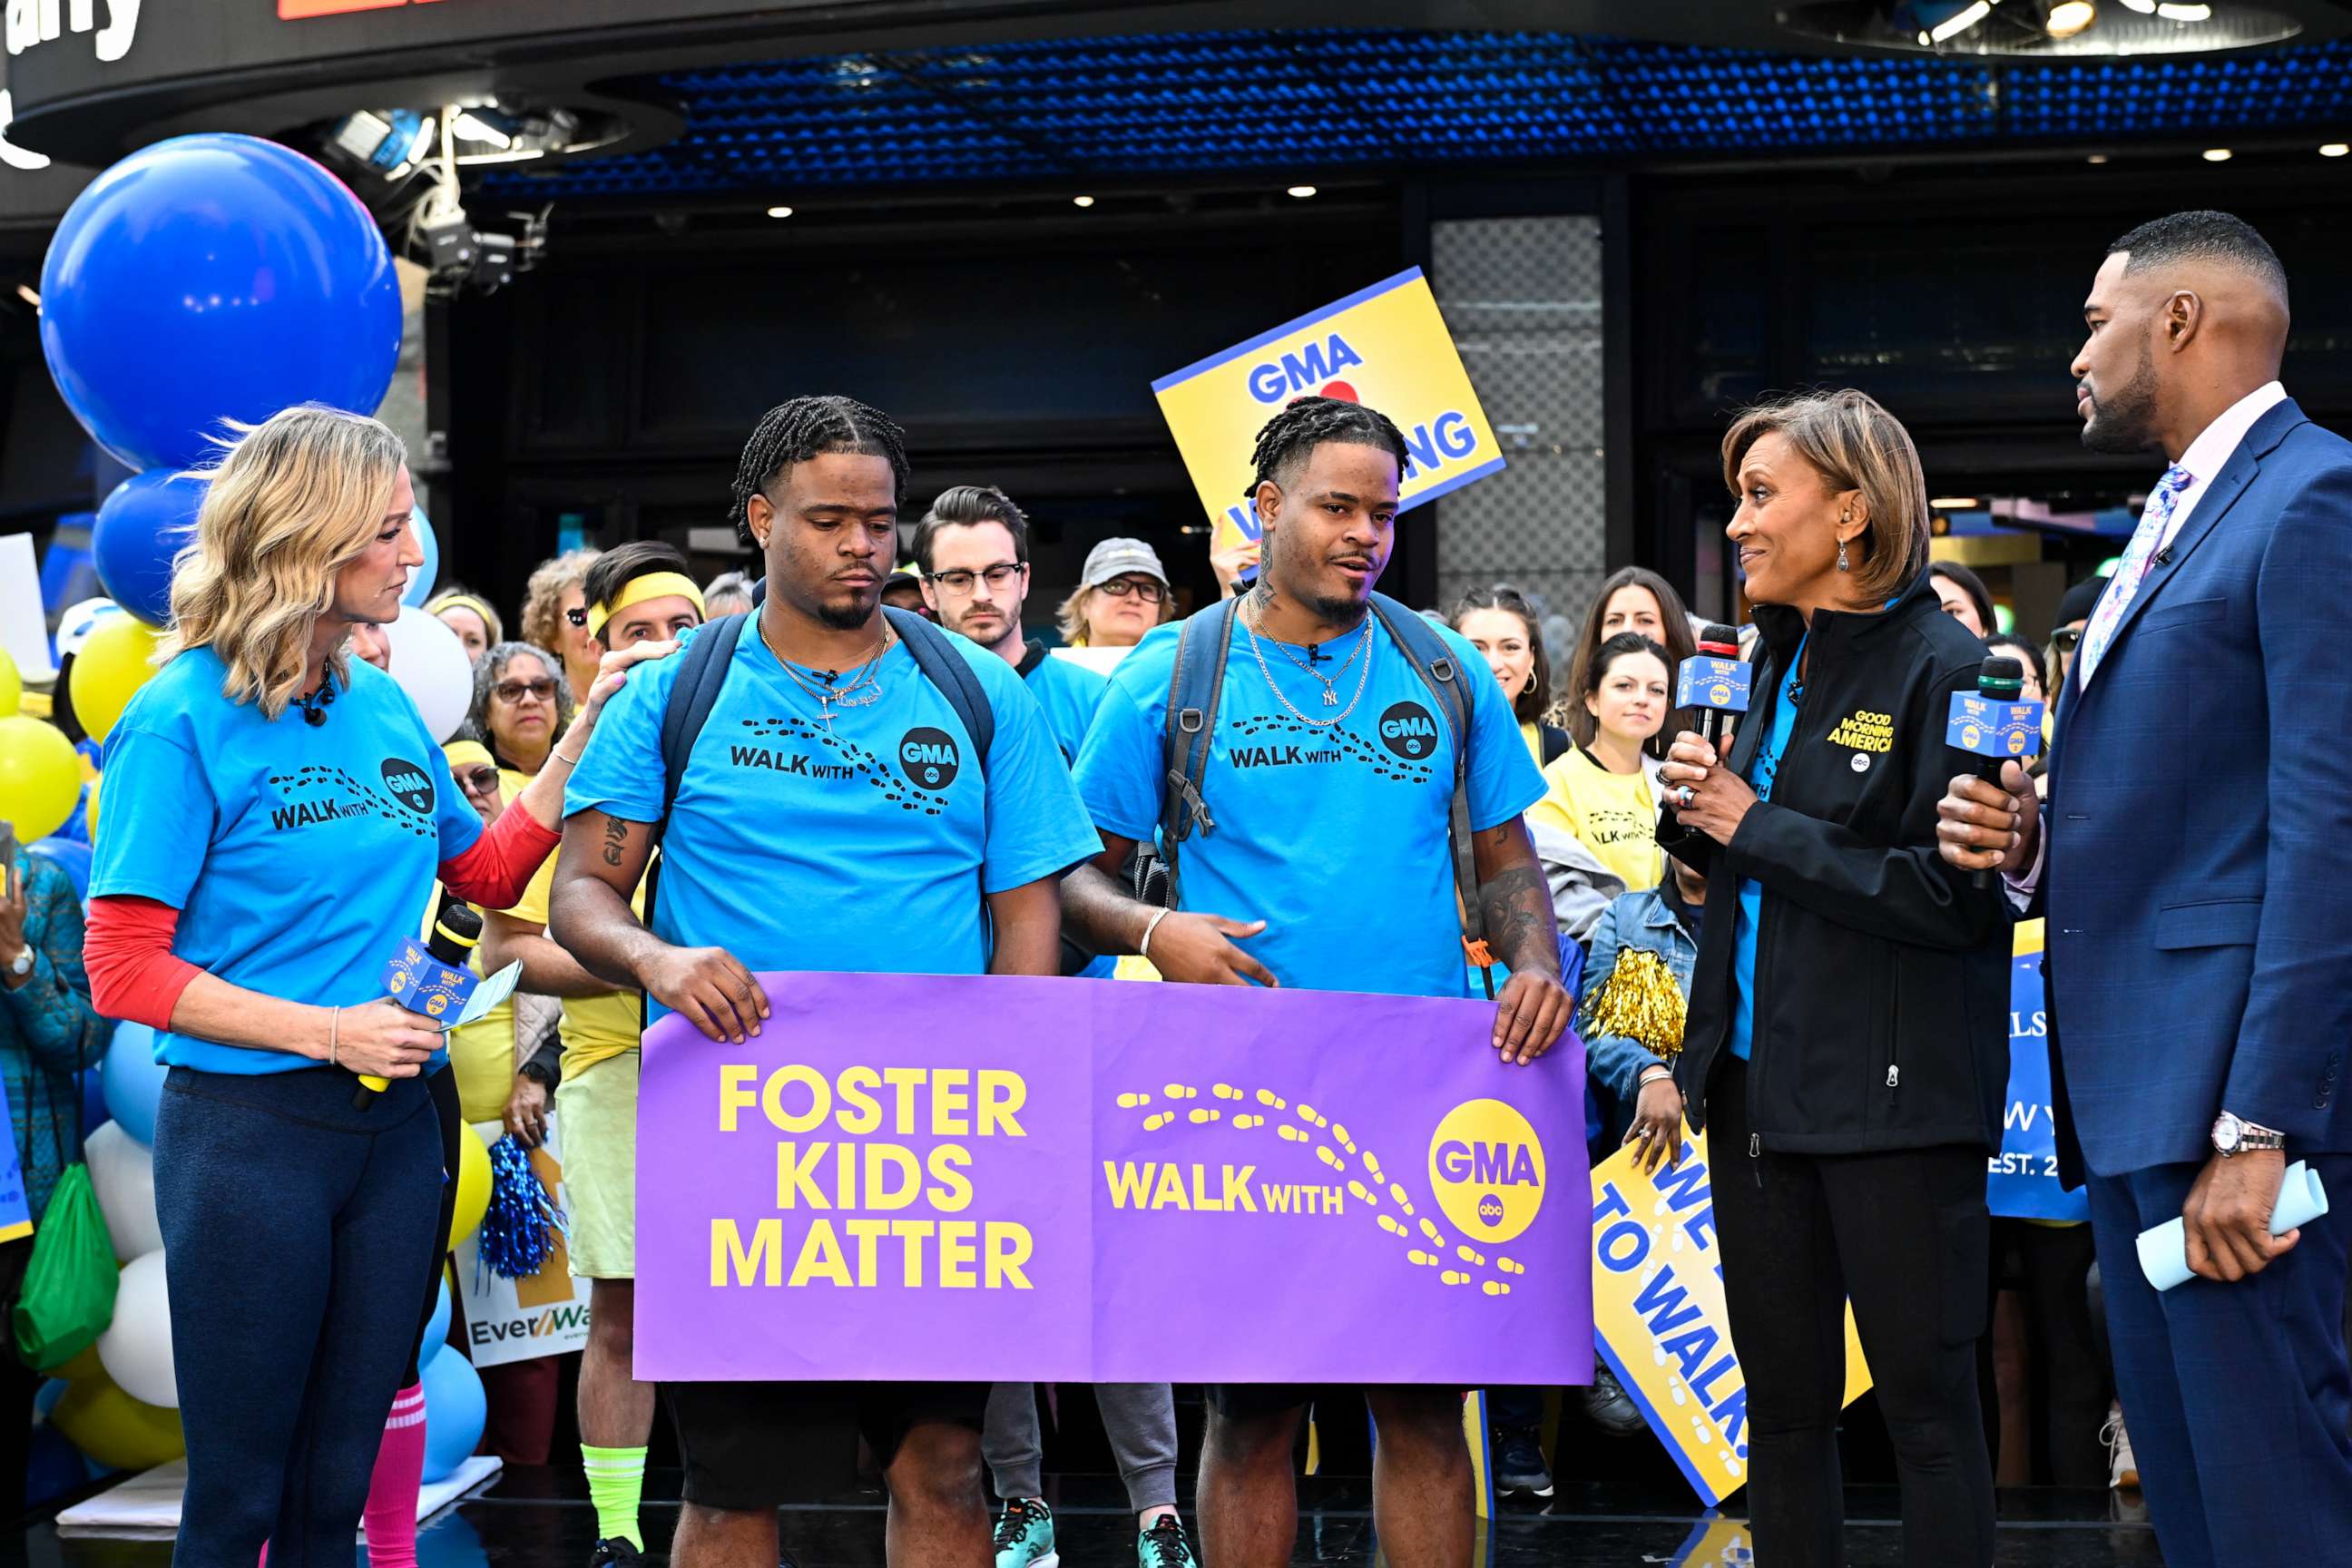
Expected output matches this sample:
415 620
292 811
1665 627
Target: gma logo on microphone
1487 1169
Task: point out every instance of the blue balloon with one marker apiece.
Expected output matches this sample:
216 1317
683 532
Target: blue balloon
147 519
209 278
420 583
68 857
134 1082
455 1409
436 1328
46 1397
94 1115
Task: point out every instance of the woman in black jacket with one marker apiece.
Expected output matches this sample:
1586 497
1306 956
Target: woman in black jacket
1848 1027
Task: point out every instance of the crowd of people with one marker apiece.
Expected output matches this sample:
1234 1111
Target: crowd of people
1844 1042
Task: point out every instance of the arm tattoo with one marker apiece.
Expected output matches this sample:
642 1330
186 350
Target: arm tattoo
616 839
1517 902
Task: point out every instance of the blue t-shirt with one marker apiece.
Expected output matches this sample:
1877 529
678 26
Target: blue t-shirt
864 847
297 855
1750 916
1068 692
1334 835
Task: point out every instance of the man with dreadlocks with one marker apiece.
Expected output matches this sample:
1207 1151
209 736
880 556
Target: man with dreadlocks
1330 780
780 854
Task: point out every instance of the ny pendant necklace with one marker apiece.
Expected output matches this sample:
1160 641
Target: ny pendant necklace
1331 681
1331 696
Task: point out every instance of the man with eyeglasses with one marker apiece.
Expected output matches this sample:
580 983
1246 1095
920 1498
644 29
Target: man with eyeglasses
972 550
637 593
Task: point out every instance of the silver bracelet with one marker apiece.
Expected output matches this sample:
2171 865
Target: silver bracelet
1660 1068
556 753
334 1031
1143 948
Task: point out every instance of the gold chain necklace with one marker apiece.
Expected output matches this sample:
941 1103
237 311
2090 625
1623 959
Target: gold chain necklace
1363 677
829 697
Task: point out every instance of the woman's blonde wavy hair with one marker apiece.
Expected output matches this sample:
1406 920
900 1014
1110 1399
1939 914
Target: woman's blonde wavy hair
291 501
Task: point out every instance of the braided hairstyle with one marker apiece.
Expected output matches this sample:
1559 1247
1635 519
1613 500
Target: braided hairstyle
804 427
1285 440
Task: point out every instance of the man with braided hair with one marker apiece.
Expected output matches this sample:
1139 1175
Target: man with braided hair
834 815
1330 775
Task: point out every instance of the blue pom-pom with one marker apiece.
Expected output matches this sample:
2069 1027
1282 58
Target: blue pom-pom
517 1235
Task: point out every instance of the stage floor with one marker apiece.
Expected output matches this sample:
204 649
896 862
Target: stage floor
540 1519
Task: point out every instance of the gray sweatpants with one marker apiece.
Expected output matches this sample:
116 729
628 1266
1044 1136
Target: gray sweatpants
1141 1418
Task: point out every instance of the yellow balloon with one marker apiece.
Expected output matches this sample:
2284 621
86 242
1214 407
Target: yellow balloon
83 1363
473 1187
110 667
114 1428
12 685
40 776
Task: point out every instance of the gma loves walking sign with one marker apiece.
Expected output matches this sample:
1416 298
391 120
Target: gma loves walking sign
965 1178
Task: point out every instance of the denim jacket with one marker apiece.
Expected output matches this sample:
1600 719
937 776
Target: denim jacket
1631 920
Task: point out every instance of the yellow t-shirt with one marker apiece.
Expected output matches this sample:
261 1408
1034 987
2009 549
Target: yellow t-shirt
1615 816
594 1028
482 1055
1533 735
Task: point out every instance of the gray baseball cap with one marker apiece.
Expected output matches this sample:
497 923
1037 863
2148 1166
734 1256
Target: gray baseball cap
1116 558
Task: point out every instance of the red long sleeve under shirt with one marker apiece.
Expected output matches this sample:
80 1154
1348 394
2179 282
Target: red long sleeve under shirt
135 975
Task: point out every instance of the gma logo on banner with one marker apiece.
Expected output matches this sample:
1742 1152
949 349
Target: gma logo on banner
1659 1321
1385 347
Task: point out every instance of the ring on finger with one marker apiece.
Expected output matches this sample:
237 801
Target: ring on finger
1685 794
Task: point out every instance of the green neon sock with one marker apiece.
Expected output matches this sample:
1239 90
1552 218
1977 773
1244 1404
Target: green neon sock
616 1480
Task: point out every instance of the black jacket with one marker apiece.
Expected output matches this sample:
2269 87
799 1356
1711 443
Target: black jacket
1882 975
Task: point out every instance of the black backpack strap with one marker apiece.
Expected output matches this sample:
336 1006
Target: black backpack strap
1194 687
949 670
1432 658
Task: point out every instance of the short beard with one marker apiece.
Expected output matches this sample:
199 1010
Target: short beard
2127 422
1340 612
849 617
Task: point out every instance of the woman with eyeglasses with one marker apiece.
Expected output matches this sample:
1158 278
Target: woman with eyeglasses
1123 593
520 708
555 617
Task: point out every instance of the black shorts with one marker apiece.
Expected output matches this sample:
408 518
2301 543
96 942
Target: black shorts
743 1443
1250 1401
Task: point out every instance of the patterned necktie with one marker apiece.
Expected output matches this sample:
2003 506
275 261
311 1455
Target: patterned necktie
2138 555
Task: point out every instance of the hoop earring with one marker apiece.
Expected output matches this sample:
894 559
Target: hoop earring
1530 683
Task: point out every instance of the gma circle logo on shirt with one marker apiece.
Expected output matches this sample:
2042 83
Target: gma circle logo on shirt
929 757
1486 1167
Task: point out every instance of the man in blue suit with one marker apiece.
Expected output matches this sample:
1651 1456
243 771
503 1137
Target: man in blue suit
2192 863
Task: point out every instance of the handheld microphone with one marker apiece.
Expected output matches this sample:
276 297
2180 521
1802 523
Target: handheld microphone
430 978
1991 725
1715 682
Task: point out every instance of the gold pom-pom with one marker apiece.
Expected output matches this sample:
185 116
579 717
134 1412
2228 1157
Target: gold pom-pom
1640 1001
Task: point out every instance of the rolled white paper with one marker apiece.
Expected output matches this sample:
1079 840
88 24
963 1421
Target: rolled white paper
2164 1250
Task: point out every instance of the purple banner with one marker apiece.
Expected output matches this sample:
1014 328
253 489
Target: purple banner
962 1178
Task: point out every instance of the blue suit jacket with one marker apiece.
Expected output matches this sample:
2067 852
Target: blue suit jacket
2199 884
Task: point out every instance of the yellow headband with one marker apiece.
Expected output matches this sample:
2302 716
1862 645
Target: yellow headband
462 602
637 590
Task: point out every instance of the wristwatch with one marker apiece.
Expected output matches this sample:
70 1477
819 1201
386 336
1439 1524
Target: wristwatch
22 963
2234 1136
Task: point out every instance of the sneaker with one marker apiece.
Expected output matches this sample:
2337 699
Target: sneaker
1610 1407
1164 1546
1024 1536
2123 1469
1519 1463
616 1553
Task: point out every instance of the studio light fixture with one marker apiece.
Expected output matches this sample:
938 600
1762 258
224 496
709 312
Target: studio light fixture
2069 18
780 212
2335 149
2217 154
1302 192
1082 201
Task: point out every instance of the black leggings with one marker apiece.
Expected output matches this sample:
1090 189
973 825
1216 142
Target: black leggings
298 1228
1904 1235
443 1086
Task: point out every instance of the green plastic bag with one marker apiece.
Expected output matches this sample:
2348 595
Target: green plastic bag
68 1292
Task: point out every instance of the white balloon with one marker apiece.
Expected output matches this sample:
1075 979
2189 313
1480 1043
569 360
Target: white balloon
136 1347
79 620
431 665
123 1175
